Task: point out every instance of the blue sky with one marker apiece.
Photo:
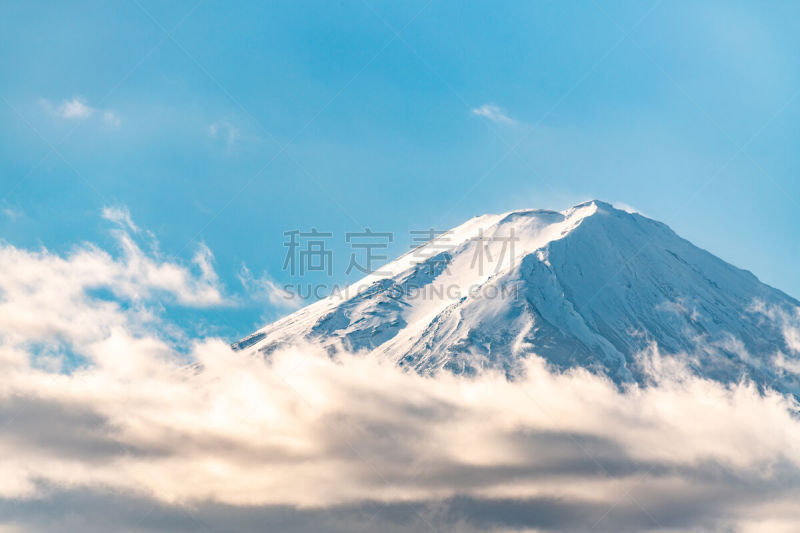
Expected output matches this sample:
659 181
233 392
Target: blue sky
229 126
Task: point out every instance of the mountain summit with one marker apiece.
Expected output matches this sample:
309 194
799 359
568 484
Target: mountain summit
591 286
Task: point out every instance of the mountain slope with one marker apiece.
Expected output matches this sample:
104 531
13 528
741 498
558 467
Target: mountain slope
591 286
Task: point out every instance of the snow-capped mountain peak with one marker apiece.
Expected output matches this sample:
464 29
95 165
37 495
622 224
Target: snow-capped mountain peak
589 286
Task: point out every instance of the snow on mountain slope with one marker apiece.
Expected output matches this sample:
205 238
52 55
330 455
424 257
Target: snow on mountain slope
591 286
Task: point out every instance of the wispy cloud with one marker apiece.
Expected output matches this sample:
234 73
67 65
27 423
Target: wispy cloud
111 119
120 216
228 133
10 212
265 288
141 276
494 113
77 108
628 208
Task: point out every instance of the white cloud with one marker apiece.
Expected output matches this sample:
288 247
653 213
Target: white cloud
45 296
791 334
494 113
304 430
787 364
628 208
233 136
120 216
111 119
266 289
137 275
137 268
75 108
789 322
225 131
315 434
10 212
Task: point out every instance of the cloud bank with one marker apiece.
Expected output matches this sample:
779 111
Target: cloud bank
112 422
